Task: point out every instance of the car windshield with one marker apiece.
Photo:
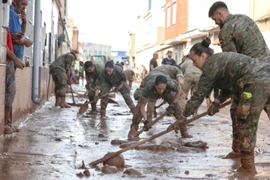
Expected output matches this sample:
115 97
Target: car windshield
98 59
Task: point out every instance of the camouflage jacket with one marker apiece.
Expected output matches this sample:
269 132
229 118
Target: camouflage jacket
149 92
172 71
241 34
225 71
117 78
92 77
129 74
189 69
64 62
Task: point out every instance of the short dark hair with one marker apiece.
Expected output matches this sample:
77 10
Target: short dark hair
160 79
109 64
122 63
217 5
88 64
169 52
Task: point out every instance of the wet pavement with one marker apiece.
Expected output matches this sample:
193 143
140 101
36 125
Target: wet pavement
53 143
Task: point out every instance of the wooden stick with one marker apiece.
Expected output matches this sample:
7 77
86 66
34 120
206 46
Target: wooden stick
130 147
206 113
152 123
73 99
169 129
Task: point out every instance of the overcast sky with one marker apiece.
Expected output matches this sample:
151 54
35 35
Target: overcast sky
105 21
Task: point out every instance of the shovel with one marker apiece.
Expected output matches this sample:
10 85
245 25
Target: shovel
169 129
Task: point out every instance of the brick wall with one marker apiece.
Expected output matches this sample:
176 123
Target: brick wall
181 24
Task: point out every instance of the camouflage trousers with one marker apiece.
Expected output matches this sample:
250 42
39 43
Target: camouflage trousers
125 92
246 113
10 84
91 92
60 79
130 82
190 81
137 117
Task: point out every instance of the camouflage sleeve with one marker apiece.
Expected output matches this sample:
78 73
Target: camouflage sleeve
183 68
100 80
69 60
232 40
179 73
174 85
88 80
144 96
123 77
205 84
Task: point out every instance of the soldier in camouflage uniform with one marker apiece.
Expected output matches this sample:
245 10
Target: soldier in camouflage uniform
173 72
191 75
60 70
112 76
248 80
92 72
130 76
158 85
238 33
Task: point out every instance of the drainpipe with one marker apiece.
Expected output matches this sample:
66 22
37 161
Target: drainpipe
36 56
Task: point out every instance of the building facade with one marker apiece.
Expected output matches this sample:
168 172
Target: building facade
52 41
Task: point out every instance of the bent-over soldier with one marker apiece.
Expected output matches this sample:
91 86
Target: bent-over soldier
60 70
112 76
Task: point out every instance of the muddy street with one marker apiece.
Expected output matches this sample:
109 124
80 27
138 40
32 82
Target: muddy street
55 143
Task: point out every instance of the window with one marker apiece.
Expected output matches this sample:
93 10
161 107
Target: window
174 13
168 16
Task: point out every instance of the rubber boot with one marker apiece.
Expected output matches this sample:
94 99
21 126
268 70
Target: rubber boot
63 103
184 133
132 110
103 114
57 100
235 150
93 109
14 128
8 121
132 134
248 165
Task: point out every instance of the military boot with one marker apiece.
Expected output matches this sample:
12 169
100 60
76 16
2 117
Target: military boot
103 114
184 133
8 121
132 134
14 128
235 150
57 101
248 165
63 103
94 109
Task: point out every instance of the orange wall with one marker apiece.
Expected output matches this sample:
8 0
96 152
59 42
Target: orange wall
181 24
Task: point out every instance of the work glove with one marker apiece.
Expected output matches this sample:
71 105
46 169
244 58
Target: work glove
146 125
171 108
213 109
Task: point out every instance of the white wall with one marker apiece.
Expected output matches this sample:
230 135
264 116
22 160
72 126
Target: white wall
198 11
